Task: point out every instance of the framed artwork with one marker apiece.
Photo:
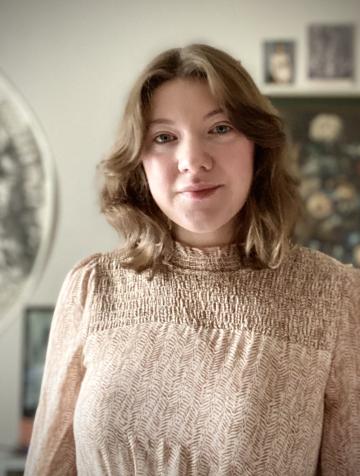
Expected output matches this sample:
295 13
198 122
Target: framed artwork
331 52
279 62
325 137
37 326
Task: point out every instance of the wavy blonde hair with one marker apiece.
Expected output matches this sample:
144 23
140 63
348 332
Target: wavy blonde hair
265 224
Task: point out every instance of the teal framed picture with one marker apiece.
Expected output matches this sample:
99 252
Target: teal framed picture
37 321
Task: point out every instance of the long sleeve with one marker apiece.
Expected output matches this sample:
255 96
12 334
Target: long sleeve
340 448
52 448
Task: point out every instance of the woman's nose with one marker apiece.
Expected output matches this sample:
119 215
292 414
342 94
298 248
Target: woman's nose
192 156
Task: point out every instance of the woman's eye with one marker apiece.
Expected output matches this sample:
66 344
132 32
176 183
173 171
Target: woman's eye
163 138
221 129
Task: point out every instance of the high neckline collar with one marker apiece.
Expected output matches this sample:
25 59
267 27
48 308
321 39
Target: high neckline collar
211 258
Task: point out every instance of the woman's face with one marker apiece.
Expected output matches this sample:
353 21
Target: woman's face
190 144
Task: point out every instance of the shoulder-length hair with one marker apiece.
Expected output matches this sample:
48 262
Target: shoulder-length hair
266 222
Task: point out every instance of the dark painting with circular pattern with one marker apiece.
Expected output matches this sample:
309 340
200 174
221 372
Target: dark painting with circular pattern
325 137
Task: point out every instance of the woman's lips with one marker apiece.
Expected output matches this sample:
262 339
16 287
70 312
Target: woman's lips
200 194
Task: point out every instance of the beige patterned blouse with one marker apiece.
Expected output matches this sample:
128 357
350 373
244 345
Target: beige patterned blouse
210 369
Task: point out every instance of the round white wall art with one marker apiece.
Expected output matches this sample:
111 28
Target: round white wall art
28 202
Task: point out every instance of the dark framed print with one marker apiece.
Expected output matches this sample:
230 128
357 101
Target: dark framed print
325 137
331 52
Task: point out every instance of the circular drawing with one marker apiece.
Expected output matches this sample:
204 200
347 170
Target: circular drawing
27 201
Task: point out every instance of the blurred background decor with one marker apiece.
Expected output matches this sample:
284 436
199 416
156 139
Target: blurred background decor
326 143
36 324
331 51
27 200
279 62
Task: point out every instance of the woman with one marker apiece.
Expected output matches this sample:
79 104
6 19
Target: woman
208 343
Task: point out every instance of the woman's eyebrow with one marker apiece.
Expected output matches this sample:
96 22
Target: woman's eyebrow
161 121
214 113
169 121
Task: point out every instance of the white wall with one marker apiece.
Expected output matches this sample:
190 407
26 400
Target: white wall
74 62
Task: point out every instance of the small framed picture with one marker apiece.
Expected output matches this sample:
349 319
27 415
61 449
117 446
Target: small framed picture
279 62
36 325
331 52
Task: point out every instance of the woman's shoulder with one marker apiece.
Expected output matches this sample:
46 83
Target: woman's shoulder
101 268
86 263
311 272
103 259
82 270
315 262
